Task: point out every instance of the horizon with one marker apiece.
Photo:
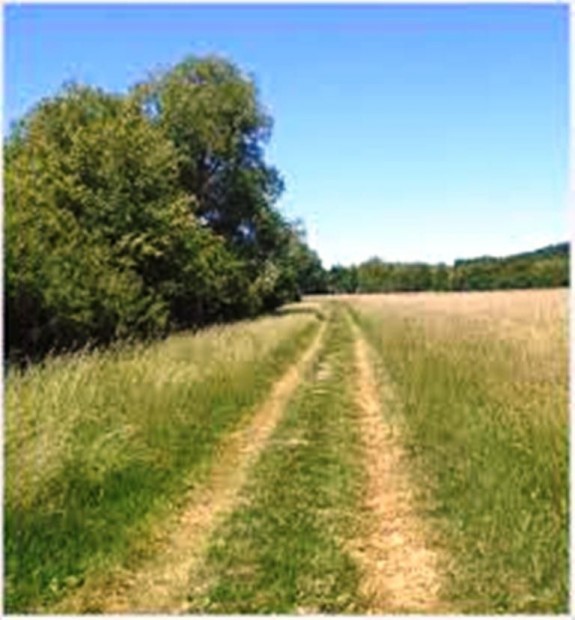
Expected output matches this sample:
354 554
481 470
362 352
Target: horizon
426 133
459 258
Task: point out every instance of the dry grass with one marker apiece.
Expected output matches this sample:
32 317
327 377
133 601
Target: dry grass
518 340
473 390
483 382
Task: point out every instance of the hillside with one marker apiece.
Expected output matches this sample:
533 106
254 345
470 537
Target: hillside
546 267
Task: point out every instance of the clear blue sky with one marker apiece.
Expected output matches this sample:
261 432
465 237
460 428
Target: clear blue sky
408 132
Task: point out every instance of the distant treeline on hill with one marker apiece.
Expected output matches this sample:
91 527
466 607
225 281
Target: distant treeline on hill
547 267
128 216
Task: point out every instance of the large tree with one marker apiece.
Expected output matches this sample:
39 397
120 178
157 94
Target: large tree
212 114
131 215
100 239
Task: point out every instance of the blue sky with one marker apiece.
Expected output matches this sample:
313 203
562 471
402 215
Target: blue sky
407 132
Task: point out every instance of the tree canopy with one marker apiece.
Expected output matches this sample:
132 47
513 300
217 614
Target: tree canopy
129 216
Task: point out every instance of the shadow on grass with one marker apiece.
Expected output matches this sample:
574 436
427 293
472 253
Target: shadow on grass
317 312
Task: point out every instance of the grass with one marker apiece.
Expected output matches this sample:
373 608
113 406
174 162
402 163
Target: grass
101 447
98 445
482 384
284 549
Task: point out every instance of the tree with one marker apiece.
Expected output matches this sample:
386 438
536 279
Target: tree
100 240
132 215
310 276
64 282
440 277
211 113
343 279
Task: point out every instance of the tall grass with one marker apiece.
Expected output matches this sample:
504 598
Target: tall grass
283 550
97 444
483 385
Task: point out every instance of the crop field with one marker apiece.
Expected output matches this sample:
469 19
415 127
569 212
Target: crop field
398 453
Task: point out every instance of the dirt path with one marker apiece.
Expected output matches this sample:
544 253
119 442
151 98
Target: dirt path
399 570
161 584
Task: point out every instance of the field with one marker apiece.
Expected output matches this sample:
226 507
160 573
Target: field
354 454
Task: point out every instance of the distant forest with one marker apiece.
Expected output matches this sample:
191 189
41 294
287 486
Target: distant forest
547 267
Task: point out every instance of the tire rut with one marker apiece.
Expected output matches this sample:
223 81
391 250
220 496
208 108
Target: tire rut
399 570
160 585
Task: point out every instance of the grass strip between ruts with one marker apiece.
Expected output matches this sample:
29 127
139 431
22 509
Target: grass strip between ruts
284 549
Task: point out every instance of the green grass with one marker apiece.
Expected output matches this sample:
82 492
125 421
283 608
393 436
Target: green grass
98 445
485 413
283 549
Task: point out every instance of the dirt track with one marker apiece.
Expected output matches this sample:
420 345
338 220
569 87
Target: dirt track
161 584
399 570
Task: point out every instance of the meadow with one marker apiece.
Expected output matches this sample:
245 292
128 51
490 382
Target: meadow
96 444
471 391
481 381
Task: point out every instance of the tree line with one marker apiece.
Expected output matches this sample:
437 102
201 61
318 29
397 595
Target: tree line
128 216
547 267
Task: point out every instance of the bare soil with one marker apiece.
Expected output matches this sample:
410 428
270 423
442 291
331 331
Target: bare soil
399 570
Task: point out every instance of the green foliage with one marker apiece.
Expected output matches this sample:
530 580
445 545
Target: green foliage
211 113
81 211
127 216
440 277
342 279
309 273
312 278
547 267
544 268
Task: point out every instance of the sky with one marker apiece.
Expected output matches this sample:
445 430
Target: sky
408 132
